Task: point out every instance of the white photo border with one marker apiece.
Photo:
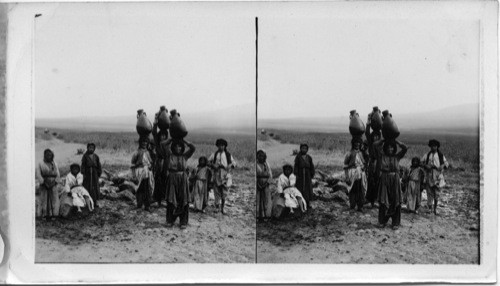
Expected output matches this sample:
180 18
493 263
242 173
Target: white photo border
20 155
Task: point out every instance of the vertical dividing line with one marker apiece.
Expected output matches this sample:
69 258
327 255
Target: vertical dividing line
256 121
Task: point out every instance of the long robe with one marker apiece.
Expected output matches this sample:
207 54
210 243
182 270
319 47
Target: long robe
177 182
200 188
416 178
48 177
161 172
373 173
304 171
141 170
91 171
389 191
264 197
353 165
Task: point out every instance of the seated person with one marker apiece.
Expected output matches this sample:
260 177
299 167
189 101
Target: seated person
286 188
75 195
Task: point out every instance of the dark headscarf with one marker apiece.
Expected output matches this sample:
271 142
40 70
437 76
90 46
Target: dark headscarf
202 158
90 144
74 166
221 141
163 132
375 133
287 166
434 142
143 139
177 142
50 152
356 140
390 143
263 153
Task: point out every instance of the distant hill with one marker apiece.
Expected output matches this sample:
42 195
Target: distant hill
237 119
460 119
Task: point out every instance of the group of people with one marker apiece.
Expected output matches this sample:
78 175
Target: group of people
294 186
159 170
80 190
372 174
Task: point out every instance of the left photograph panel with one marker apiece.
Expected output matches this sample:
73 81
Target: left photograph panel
144 136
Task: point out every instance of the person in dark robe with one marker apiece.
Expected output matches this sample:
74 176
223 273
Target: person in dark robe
91 171
389 191
304 171
373 169
177 182
160 164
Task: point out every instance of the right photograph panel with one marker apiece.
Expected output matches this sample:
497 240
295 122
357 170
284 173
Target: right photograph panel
368 141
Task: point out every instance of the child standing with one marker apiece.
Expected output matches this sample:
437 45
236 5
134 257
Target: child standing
415 181
141 170
200 188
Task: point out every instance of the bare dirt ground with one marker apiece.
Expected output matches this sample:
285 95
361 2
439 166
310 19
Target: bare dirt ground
117 232
331 233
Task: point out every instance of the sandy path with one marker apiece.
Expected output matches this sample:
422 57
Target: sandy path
331 233
280 153
117 232
66 153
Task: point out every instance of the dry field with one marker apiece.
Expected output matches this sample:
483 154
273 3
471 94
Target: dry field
332 233
117 232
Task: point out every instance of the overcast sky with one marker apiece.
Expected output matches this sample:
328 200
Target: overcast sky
310 67
111 59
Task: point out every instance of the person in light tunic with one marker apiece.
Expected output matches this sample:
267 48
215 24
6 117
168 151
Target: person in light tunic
354 165
221 162
434 163
75 195
201 177
286 188
414 184
141 169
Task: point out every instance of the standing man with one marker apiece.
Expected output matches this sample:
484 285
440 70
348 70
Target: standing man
434 163
221 161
